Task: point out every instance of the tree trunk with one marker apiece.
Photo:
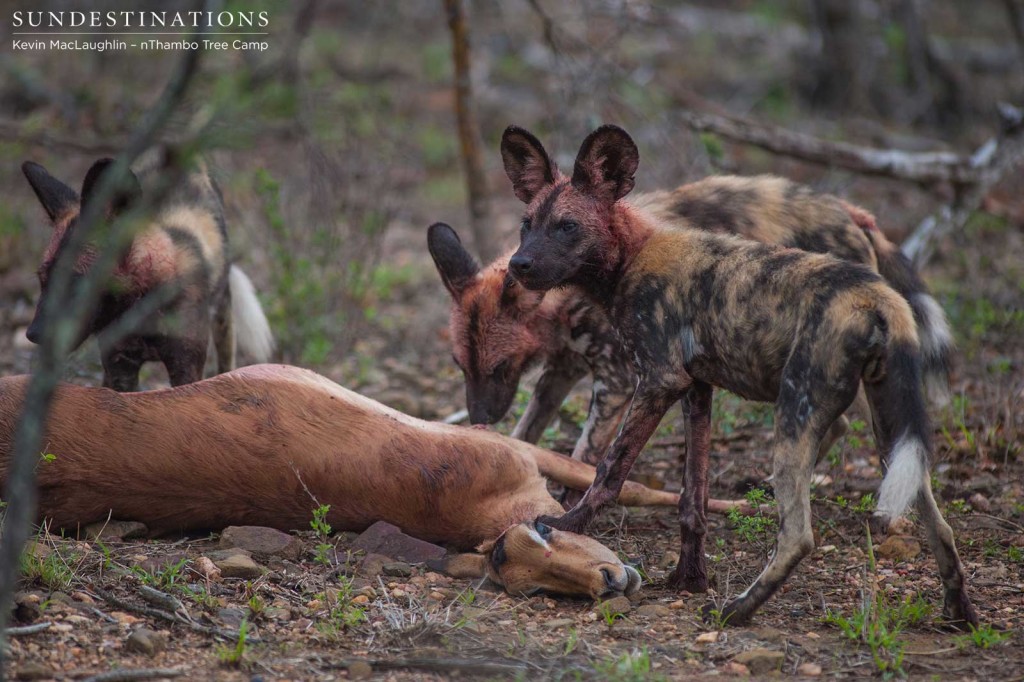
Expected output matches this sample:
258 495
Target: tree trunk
480 224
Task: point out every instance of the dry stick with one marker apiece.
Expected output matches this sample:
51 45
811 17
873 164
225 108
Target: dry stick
67 306
169 617
27 629
469 134
137 674
441 665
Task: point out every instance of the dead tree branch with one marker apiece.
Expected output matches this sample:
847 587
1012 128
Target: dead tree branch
67 304
469 134
921 167
991 162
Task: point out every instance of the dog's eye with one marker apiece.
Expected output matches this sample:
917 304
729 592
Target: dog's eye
542 529
568 226
501 367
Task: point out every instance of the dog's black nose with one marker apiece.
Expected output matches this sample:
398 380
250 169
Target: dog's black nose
520 265
33 332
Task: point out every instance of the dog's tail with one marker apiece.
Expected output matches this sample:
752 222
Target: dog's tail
251 326
937 346
577 475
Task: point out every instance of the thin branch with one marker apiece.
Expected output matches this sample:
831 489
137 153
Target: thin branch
15 132
67 305
27 629
920 167
137 674
469 134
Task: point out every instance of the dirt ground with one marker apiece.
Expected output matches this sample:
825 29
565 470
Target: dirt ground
115 607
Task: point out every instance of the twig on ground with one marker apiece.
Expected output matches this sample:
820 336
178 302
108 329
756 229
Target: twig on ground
28 629
441 665
169 617
137 674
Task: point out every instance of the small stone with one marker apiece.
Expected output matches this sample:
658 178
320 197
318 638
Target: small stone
677 604
281 614
239 566
372 565
398 569
615 605
112 531
653 611
262 541
768 634
33 671
160 564
398 593
387 539
231 617
205 567
124 618
557 623
359 670
708 637
898 548
82 597
360 599
734 668
145 641
980 503
437 596
761 661
808 670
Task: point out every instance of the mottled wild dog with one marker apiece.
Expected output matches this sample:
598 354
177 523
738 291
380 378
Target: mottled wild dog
183 248
500 330
697 310
252 445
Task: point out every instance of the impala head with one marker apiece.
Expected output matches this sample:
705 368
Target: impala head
532 557
568 223
63 207
493 341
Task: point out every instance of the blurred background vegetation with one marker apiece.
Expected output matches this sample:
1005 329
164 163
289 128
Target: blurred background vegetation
338 146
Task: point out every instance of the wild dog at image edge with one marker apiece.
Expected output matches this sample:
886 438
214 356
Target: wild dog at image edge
184 247
500 330
266 444
697 310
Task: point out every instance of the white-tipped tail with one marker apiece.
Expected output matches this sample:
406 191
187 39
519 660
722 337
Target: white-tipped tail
936 346
905 477
251 327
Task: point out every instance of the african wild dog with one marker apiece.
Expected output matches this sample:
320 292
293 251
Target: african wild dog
260 435
774 324
184 246
500 330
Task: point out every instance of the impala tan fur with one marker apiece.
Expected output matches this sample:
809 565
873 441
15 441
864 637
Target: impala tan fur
240 447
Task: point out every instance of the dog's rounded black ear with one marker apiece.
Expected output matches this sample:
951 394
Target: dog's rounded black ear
54 195
455 265
526 163
606 163
128 191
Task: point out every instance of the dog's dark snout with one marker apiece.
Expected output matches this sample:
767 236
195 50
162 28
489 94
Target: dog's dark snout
33 333
520 264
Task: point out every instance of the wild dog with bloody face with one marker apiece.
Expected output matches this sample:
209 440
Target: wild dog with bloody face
183 247
252 446
500 330
697 310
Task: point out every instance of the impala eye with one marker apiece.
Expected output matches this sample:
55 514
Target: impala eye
542 529
525 225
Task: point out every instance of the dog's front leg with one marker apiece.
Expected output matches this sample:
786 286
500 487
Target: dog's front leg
691 573
561 373
650 403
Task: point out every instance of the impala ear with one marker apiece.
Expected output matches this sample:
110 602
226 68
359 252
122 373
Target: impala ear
455 265
526 163
606 163
460 565
127 192
54 195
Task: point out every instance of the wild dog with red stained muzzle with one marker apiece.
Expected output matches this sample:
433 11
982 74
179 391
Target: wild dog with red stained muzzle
184 247
696 310
500 330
